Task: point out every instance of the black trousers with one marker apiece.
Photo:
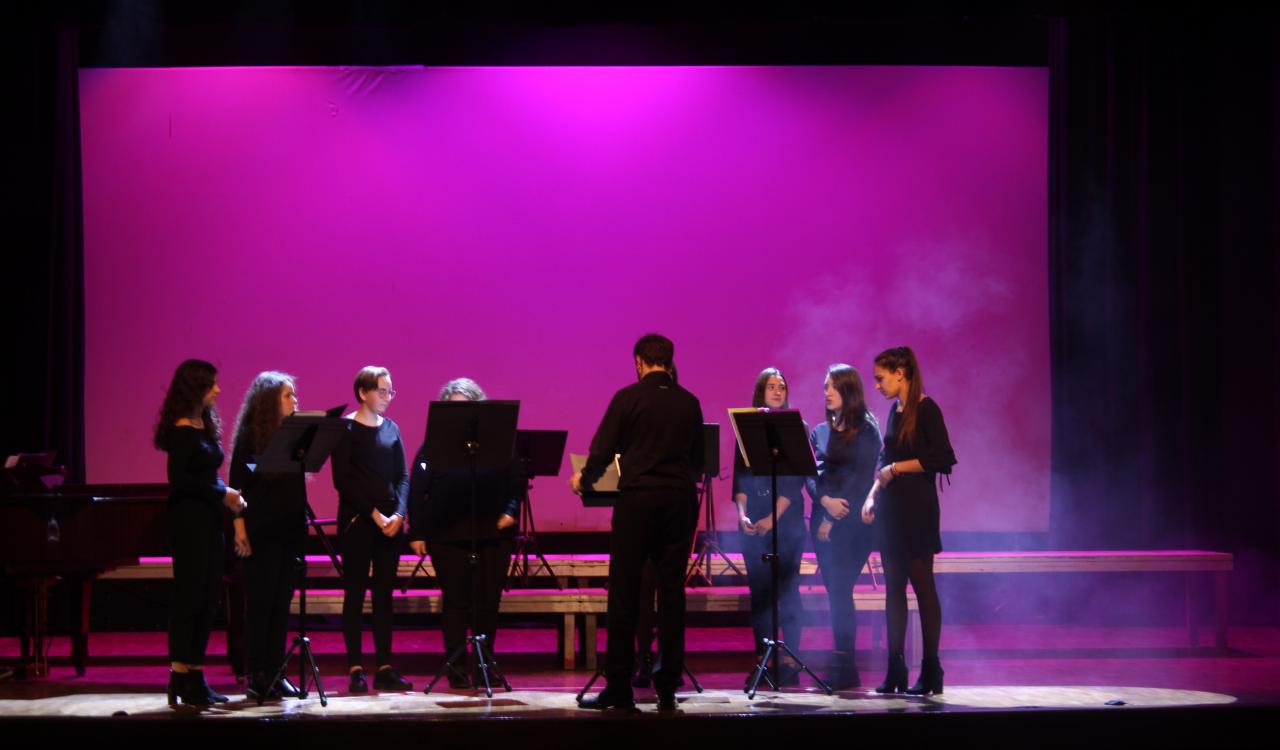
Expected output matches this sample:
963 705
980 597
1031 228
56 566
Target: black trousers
760 582
364 543
195 539
842 559
270 578
451 562
652 525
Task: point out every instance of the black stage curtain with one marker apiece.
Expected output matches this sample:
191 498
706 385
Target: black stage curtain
1163 277
43 288
1163 265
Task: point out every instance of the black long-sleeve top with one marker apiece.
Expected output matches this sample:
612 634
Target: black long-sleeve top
275 501
440 502
845 470
192 466
369 471
932 445
657 427
759 492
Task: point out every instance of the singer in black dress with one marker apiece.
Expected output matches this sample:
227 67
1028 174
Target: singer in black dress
904 503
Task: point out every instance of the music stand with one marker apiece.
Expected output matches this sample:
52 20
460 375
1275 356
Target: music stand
471 436
776 439
710 543
300 447
541 452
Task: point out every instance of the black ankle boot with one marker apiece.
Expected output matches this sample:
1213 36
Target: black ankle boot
184 687
930 681
259 687
843 673
895 678
198 683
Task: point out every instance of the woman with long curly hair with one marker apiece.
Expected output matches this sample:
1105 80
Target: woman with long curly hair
271 534
189 431
845 445
904 502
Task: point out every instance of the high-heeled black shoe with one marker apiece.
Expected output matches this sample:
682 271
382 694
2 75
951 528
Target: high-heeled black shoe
198 683
930 680
259 688
895 678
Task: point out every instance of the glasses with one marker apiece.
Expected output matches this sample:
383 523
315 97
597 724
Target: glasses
778 387
387 393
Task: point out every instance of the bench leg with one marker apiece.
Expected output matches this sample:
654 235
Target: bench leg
1220 607
568 638
590 641
1189 608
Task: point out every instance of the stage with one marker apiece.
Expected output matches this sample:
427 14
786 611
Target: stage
1006 684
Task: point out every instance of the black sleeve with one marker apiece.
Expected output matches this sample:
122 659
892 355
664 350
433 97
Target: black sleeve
605 443
240 475
936 455
817 513
399 477
699 448
184 449
740 472
867 455
419 485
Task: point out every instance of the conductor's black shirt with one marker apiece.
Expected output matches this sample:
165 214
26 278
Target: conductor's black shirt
657 427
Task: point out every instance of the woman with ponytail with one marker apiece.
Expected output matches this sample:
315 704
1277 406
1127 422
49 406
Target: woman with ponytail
904 501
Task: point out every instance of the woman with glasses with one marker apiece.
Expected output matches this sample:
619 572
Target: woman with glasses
373 490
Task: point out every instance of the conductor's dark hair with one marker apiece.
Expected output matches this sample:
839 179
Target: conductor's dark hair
762 382
191 381
656 349
367 380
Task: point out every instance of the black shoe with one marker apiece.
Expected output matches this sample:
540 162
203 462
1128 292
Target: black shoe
183 688
644 671
198 683
358 683
259 688
895 678
930 680
666 700
286 689
458 679
388 678
608 699
844 672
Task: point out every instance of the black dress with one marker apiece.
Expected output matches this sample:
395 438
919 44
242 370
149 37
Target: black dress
196 513
907 508
275 523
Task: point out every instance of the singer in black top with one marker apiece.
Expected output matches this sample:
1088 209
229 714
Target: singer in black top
274 530
189 430
373 491
440 520
904 503
752 494
845 446
656 426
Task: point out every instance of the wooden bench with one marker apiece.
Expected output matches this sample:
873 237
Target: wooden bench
579 611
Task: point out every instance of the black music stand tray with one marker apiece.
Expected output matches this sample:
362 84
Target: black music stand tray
300 447
776 439
471 436
541 452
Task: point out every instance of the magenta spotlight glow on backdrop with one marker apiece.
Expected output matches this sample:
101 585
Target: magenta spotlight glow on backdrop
523 226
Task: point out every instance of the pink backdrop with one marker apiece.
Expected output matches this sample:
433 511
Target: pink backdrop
523 226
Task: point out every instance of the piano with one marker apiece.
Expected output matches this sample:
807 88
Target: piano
74 533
